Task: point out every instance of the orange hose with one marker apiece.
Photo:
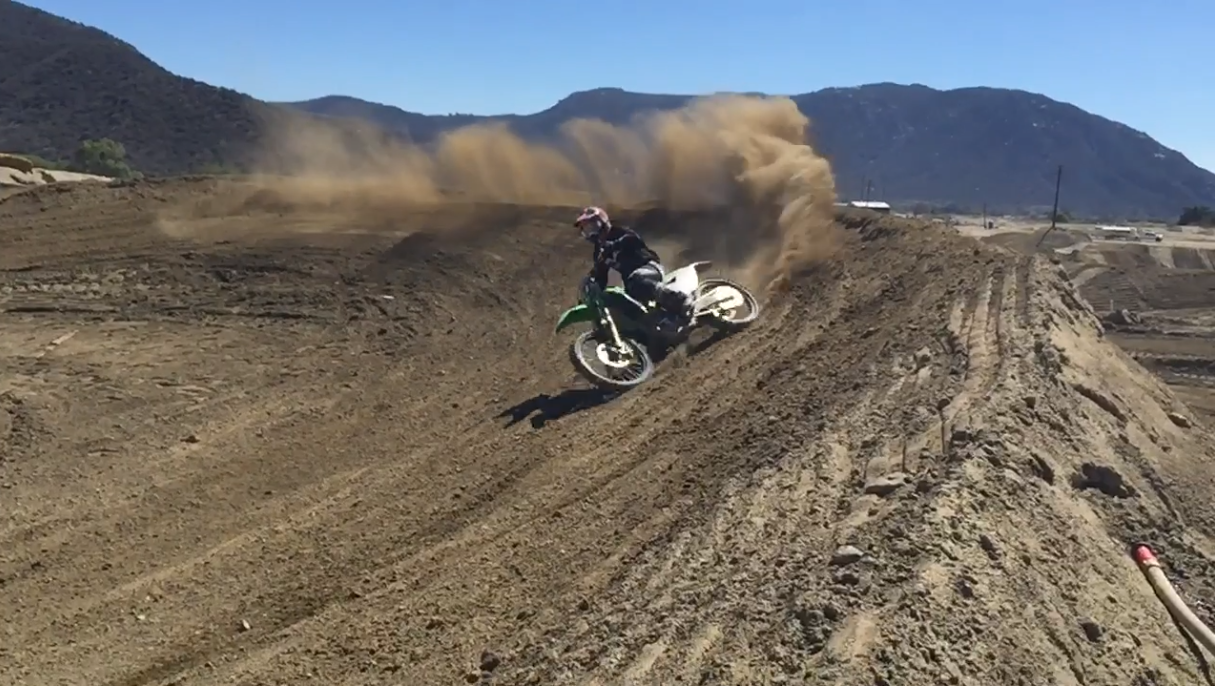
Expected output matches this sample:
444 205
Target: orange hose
1173 602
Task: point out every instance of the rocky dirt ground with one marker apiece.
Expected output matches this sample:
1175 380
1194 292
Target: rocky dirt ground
273 447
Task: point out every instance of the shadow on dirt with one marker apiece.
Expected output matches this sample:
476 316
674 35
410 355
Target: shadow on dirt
544 407
1204 667
697 344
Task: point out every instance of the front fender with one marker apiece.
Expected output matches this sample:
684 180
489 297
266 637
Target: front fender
613 298
577 314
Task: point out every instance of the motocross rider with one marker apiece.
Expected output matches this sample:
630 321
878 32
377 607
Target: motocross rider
622 249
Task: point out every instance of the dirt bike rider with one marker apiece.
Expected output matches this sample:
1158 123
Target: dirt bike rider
622 249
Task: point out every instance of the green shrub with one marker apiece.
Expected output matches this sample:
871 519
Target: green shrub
1199 215
103 157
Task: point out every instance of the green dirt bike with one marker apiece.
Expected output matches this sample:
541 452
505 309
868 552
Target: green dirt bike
626 334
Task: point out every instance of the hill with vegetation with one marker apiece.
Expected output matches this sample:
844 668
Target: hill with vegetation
63 83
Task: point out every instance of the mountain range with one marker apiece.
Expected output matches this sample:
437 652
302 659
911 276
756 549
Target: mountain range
62 82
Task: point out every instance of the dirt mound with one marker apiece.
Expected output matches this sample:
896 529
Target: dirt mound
16 162
17 171
251 452
1042 240
1115 276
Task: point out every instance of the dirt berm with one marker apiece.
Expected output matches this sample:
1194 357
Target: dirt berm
234 454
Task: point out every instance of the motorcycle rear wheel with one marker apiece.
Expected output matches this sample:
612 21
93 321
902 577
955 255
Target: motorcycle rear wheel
735 322
621 374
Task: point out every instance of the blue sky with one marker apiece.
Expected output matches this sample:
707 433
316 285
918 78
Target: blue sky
1147 63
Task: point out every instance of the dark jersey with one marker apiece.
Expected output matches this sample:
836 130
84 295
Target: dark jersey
623 250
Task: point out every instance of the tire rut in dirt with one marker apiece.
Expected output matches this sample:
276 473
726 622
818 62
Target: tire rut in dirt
356 497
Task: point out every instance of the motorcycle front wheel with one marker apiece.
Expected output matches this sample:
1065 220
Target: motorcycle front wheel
596 358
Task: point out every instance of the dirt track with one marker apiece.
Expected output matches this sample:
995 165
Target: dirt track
275 450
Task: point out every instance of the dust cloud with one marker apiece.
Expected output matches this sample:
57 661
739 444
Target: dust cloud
718 151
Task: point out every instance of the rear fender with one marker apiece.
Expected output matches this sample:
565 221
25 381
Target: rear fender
686 279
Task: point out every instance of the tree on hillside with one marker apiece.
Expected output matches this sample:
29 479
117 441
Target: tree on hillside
104 157
1199 215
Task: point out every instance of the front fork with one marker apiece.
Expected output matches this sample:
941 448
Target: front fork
607 322
605 317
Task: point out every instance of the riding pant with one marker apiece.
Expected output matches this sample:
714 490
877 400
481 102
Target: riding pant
645 284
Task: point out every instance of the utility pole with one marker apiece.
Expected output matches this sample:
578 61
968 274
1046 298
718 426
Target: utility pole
1054 213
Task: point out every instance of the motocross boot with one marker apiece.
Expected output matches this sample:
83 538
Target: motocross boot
676 308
